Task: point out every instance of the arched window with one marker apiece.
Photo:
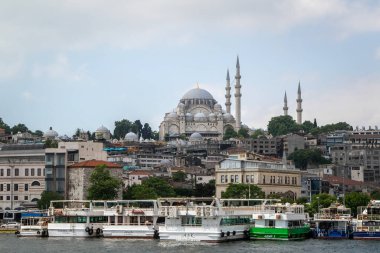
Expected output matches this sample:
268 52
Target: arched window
36 183
35 200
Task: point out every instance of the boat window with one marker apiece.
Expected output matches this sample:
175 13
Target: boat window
191 221
98 219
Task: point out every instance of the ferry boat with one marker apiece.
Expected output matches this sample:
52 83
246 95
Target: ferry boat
131 219
280 222
201 219
368 222
33 224
76 218
334 222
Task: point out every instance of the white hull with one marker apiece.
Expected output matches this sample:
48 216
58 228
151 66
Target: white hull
128 231
202 234
70 230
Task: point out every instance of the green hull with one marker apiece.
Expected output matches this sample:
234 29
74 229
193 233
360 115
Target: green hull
279 233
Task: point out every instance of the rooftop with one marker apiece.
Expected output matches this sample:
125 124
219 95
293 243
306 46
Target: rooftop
95 163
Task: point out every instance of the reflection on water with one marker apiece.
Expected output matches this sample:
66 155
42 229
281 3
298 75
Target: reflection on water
10 243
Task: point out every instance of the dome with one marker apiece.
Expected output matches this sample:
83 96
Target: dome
195 137
218 108
51 133
198 93
212 117
200 116
102 129
228 117
165 162
131 137
172 116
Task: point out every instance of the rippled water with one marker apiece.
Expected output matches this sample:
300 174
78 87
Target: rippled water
10 243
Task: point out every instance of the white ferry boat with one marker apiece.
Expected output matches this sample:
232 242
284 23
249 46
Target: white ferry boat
131 219
76 218
368 222
334 222
280 222
33 224
201 219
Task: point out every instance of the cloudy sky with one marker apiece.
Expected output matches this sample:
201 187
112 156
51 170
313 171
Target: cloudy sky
82 64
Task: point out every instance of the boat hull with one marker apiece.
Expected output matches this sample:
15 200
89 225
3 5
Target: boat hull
365 235
200 234
127 231
71 230
257 233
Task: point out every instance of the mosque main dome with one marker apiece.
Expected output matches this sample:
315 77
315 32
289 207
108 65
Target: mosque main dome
197 93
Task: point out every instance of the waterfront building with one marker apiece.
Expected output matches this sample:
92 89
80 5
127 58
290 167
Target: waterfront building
68 153
198 112
273 177
22 174
78 180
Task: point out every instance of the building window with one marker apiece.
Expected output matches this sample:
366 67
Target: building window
232 178
15 197
226 178
1 198
1 187
26 187
25 197
2 172
222 179
8 197
247 178
236 178
263 179
8 172
36 183
15 187
16 172
32 172
26 172
43 172
39 172
252 178
8 187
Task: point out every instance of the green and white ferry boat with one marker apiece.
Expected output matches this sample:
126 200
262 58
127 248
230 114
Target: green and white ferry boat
280 222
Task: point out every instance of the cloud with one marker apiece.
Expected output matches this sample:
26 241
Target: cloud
60 68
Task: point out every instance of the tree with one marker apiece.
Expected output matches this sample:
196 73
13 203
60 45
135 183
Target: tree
303 157
46 197
315 123
143 192
161 187
307 126
282 125
355 199
241 191
229 133
137 127
38 133
243 133
205 190
146 132
122 127
258 133
19 128
102 184
4 126
179 176
375 194
324 200
51 143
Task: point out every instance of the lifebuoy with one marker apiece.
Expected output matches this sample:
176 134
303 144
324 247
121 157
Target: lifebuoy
38 232
156 234
228 233
98 231
91 231
87 229
222 234
233 232
246 233
17 232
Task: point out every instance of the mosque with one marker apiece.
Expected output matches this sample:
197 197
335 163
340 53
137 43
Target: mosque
198 115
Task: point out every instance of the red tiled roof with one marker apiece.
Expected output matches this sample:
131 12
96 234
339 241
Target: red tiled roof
140 172
94 163
340 180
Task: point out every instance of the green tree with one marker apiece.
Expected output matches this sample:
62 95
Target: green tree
4 126
179 176
155 135
229 133
355 199
307 126
38 133
146 132
243 133
46 197
205 190
122 127
375 194
282 125
324 200
315 123
161 187
304 157
102 184
257 133
137 127
143 192
241 191
19 128
51 143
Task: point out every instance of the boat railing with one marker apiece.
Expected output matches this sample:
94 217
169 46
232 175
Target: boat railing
332 216
368 216
368 228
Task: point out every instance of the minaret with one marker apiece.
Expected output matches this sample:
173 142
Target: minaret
299 105
285 105
228 93
237 96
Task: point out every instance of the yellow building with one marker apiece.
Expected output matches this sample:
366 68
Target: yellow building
273 177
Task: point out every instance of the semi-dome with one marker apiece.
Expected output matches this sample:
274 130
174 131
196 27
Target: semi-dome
212 117
172 116
51 133
218 108
200 116
131 137
197 93
228 117
195 137
189 116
